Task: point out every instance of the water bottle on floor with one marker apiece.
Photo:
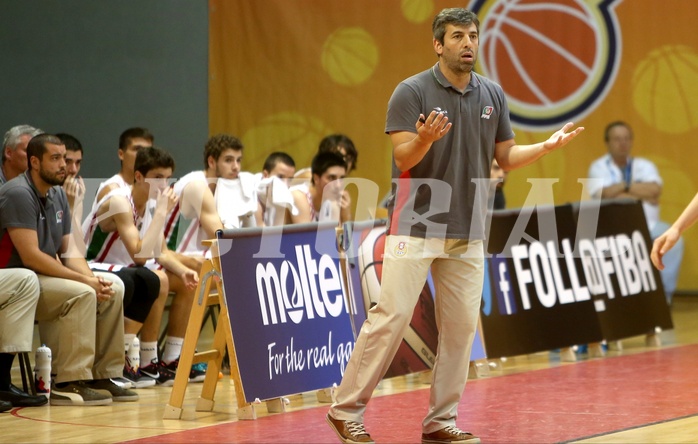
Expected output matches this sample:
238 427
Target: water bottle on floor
133 357
42 371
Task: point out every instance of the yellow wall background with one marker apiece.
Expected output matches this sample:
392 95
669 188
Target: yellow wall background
285 73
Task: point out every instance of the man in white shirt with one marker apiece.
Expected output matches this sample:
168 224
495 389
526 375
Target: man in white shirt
127 229
623 175
272 186
323 198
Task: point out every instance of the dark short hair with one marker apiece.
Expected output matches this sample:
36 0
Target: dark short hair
452 16
37 146
134 133
278 156
219 143
334 142
612 125
71 142
324 161
153 157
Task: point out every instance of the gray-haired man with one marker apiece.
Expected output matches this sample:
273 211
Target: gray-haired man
14 151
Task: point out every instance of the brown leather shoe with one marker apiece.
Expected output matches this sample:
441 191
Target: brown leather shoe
450 434
349 431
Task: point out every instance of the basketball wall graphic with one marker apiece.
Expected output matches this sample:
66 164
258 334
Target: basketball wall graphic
417 11
587 61
665 88
293 133
548 77
349 56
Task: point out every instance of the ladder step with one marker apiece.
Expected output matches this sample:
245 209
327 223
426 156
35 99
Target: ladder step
205 356
212 300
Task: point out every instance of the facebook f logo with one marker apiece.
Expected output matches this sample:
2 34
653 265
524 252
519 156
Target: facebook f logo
502 286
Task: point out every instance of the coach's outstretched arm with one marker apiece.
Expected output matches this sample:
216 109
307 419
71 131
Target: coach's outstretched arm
510 156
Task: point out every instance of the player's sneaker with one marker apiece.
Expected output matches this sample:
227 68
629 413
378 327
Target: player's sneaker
198 372
167 373
136 378
151 370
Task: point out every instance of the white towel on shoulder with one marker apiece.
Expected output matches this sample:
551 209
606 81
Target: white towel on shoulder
236 200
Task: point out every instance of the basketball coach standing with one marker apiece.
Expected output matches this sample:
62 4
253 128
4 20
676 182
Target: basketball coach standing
446 125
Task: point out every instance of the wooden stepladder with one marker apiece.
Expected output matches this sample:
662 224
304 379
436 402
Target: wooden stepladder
209 292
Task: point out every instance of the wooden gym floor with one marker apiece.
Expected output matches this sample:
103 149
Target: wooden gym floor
638 395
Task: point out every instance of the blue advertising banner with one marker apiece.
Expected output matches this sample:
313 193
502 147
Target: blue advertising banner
289 314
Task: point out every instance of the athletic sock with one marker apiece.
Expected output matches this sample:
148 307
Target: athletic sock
149 353
173 348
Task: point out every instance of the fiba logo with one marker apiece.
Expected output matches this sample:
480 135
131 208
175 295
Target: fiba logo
556 60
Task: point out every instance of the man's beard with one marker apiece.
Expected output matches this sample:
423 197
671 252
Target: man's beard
462 68
459 67
51 179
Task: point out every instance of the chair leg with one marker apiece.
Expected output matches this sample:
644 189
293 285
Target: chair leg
210 314
161 341
27 374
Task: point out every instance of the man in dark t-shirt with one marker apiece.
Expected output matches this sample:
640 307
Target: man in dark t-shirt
80 313
446 124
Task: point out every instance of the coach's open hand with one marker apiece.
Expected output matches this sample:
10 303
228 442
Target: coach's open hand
561 137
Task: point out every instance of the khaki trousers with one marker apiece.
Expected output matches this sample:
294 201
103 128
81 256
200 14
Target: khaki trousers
86 338
19 294
457 268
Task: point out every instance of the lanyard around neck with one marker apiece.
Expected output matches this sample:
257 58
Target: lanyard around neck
628 171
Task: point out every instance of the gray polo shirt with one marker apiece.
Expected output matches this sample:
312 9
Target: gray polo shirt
441 196
21 206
